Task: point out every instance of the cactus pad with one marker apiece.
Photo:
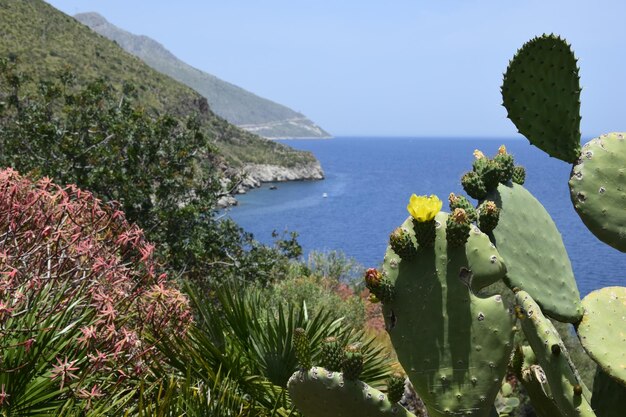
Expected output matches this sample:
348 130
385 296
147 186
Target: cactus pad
541 93
598 188
454 345
602 330
321 393
534 252
566 388
609 396
532 376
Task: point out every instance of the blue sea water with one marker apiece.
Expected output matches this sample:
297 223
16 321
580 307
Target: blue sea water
368 184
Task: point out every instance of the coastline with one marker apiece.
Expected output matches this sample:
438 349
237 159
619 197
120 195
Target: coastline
255 175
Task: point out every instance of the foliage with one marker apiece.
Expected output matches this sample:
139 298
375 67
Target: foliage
320 294
45 41
247 342
81 295
335 266
162 171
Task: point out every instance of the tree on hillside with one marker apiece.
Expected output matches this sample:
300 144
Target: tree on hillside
160 168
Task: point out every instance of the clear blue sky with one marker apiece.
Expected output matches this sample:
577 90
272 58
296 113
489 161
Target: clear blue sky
398 67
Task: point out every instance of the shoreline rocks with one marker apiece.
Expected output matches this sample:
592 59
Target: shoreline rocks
254 175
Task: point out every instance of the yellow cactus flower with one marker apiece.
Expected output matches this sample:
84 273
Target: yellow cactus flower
478 154
424 209
502 150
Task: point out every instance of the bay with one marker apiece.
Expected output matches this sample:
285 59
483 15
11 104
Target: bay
368 184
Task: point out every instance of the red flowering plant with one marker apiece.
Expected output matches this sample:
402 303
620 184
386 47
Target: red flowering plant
82 298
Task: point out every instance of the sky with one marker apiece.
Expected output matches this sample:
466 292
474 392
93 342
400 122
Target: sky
395 67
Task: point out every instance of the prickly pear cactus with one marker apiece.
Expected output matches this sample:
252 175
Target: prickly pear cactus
609 396
598 188
519 175
533 377
536 258
395 387
454 345
331 354
602 331
321 393
566 388
541 93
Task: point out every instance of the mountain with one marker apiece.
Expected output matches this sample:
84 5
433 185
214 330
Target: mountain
43 41
238 106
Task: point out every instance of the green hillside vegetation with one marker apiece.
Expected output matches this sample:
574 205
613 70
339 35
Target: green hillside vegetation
238 106
44 41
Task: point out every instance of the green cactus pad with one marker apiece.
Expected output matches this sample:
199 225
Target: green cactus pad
609 396
566 388
533 378
320 393
454 345
536 258
602 330
541 93
598 188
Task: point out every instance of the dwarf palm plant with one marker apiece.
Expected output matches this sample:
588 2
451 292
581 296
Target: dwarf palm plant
240 339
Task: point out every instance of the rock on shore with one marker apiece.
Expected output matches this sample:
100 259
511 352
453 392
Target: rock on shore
256 174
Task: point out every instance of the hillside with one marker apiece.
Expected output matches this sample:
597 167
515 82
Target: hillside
238 106
44 40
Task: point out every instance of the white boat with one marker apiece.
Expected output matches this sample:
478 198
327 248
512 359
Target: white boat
325 195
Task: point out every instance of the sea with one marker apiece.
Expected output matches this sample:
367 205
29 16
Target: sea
369 181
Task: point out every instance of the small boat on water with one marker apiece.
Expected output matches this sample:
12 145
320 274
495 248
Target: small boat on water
325 195
273 187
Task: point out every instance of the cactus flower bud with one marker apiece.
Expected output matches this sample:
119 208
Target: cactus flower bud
381 288
373 277
478 154
457 228
401 244
459 215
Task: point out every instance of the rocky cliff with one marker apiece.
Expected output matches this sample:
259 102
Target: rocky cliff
254 175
